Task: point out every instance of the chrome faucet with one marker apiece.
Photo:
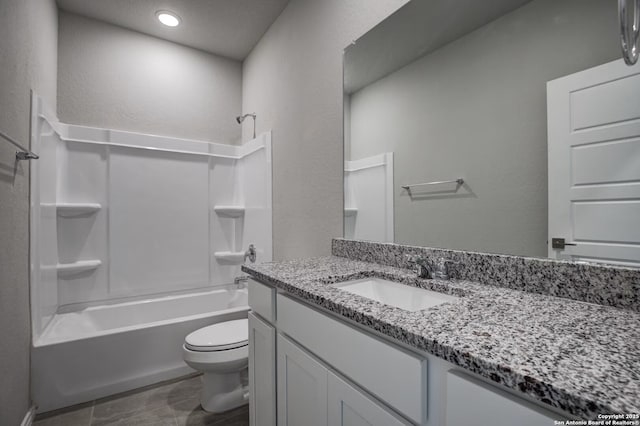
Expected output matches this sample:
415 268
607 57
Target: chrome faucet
427 268
251 254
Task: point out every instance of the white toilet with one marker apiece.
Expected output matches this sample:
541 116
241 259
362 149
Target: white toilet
221 352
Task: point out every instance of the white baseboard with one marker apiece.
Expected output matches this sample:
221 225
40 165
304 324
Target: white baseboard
28 418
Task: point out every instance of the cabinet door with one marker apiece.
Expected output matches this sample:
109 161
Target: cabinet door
350 407
302 387
365 360
262 372
471 402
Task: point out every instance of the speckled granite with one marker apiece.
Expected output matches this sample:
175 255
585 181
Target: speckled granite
593 283
581 358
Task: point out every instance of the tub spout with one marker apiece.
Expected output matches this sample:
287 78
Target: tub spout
241 282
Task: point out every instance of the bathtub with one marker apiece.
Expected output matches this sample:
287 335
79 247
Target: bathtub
103 350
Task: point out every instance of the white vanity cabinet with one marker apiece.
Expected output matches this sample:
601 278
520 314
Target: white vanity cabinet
392 375
311 368
309 394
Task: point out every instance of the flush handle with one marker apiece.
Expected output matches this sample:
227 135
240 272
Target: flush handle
560 243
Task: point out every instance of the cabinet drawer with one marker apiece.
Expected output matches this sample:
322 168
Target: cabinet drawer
473 402
393 375
262 300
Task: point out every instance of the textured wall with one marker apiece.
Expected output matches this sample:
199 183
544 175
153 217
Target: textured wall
116 78
27 61
293 80
477 108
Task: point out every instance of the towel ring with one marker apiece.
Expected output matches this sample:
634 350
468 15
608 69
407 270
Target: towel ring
629 34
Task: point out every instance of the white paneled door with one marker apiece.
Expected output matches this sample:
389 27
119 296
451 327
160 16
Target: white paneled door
594 165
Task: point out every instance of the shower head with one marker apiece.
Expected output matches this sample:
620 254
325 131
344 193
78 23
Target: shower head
241 118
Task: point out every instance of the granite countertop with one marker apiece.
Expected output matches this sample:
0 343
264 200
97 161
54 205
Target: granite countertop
579 357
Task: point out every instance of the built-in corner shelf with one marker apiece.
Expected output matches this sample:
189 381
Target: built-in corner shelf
77 209
230 257
229 211
350 211
67 269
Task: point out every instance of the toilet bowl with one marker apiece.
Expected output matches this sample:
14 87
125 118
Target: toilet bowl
221 353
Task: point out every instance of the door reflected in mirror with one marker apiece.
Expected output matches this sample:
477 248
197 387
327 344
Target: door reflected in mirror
504 123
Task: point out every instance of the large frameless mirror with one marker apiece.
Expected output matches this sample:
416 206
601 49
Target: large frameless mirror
503 126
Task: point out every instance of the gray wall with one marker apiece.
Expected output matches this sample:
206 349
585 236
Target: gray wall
28 62
116 78
476 108
293 80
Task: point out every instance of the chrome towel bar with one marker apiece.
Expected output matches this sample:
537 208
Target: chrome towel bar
23 154
459 181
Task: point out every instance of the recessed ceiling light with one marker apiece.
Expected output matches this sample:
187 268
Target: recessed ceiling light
168 18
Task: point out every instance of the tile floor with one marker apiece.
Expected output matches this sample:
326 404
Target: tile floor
174 403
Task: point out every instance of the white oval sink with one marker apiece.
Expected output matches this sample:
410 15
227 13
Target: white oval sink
395 294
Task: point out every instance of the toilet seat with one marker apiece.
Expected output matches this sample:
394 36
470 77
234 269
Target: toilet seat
219 337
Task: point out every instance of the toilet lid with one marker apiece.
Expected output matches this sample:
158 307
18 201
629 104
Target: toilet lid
219 337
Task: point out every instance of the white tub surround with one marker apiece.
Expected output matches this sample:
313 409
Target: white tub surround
368 198
119 218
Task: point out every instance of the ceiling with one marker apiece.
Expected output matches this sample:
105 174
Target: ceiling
228 28
416 29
